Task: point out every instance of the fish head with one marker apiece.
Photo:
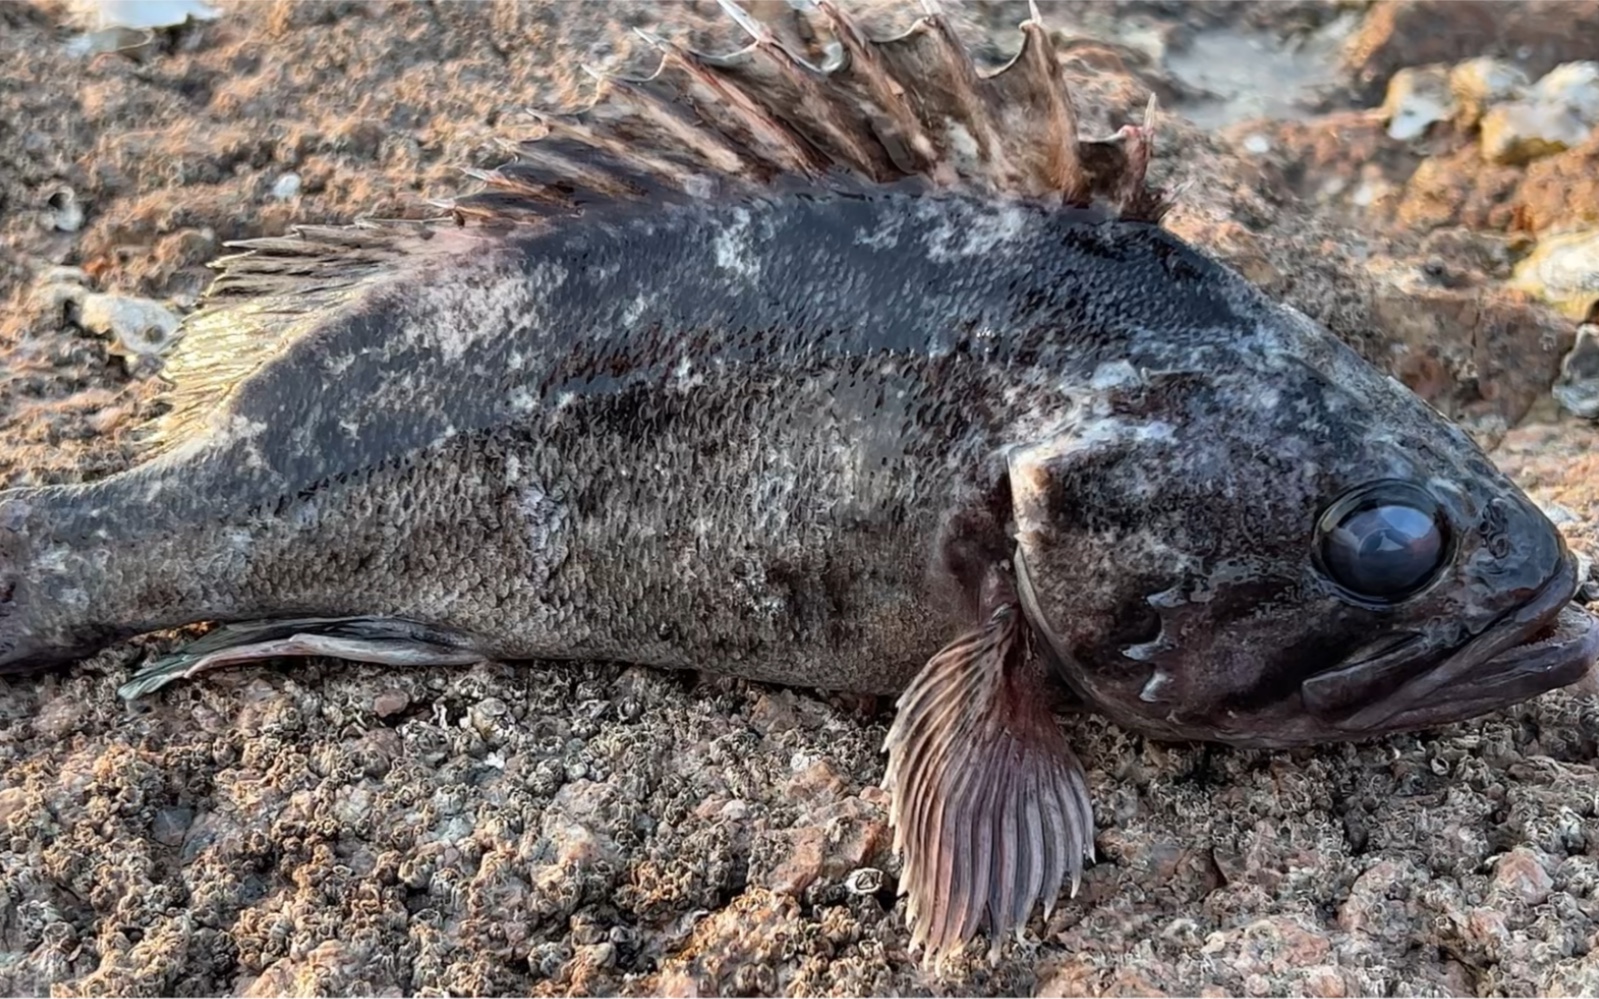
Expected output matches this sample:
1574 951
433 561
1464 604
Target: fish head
1282 545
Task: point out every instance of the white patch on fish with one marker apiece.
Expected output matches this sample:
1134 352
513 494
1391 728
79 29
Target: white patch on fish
635 309
884 237
684 377
53 559
454 316
521 400
974 235
963 148
1114 374
735 250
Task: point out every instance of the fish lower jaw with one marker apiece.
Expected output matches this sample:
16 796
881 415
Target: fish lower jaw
1549 642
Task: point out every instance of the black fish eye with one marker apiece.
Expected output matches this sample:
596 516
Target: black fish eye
1383 541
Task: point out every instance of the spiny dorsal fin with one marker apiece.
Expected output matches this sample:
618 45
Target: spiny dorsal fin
910 108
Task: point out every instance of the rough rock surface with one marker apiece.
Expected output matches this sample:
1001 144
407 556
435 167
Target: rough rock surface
328 828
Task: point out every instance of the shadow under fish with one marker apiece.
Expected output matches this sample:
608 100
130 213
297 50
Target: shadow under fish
844 368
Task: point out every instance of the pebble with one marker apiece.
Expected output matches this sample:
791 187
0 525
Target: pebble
1257 143
1578 387
1559 112
1521 874
865 881
286 187
1478 84
390 703
171 824
138 327
1574 86
1563 270
1519 132
1417 98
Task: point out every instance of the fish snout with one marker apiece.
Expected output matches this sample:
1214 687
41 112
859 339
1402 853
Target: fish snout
1519 554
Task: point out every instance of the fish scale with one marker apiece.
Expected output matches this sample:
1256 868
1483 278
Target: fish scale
864 372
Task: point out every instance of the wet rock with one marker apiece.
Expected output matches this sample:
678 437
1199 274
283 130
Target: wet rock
119 24
1478 84
1457 189
171 825
1521 875
574 824
1578 387
1564 271
1573 86
802 863
1324 982
1400 33
1559 113
1561 192
1417 98
390 702
774 712
1482 354
1521 131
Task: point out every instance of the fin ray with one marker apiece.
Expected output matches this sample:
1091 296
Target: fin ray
981 779
371 640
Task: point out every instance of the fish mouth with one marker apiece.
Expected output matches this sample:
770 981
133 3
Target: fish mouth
1548 642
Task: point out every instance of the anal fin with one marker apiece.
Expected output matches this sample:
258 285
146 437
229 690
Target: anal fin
990 807
384 641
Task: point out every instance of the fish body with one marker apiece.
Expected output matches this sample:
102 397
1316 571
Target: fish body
835 377
704 435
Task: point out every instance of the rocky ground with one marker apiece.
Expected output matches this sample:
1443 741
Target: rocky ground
565 829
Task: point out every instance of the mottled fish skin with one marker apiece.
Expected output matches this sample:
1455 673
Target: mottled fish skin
706 435
837 379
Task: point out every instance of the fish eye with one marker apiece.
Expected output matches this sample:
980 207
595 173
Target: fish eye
1383 541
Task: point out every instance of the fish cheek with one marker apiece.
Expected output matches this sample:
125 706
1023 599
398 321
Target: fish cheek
1086 542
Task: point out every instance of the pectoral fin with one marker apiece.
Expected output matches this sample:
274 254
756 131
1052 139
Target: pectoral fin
990 807
367 640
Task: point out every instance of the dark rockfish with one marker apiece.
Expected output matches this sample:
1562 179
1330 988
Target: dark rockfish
869 376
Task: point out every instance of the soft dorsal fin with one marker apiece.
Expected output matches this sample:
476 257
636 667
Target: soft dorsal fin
909 109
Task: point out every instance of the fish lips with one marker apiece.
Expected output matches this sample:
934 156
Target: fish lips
1548 642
